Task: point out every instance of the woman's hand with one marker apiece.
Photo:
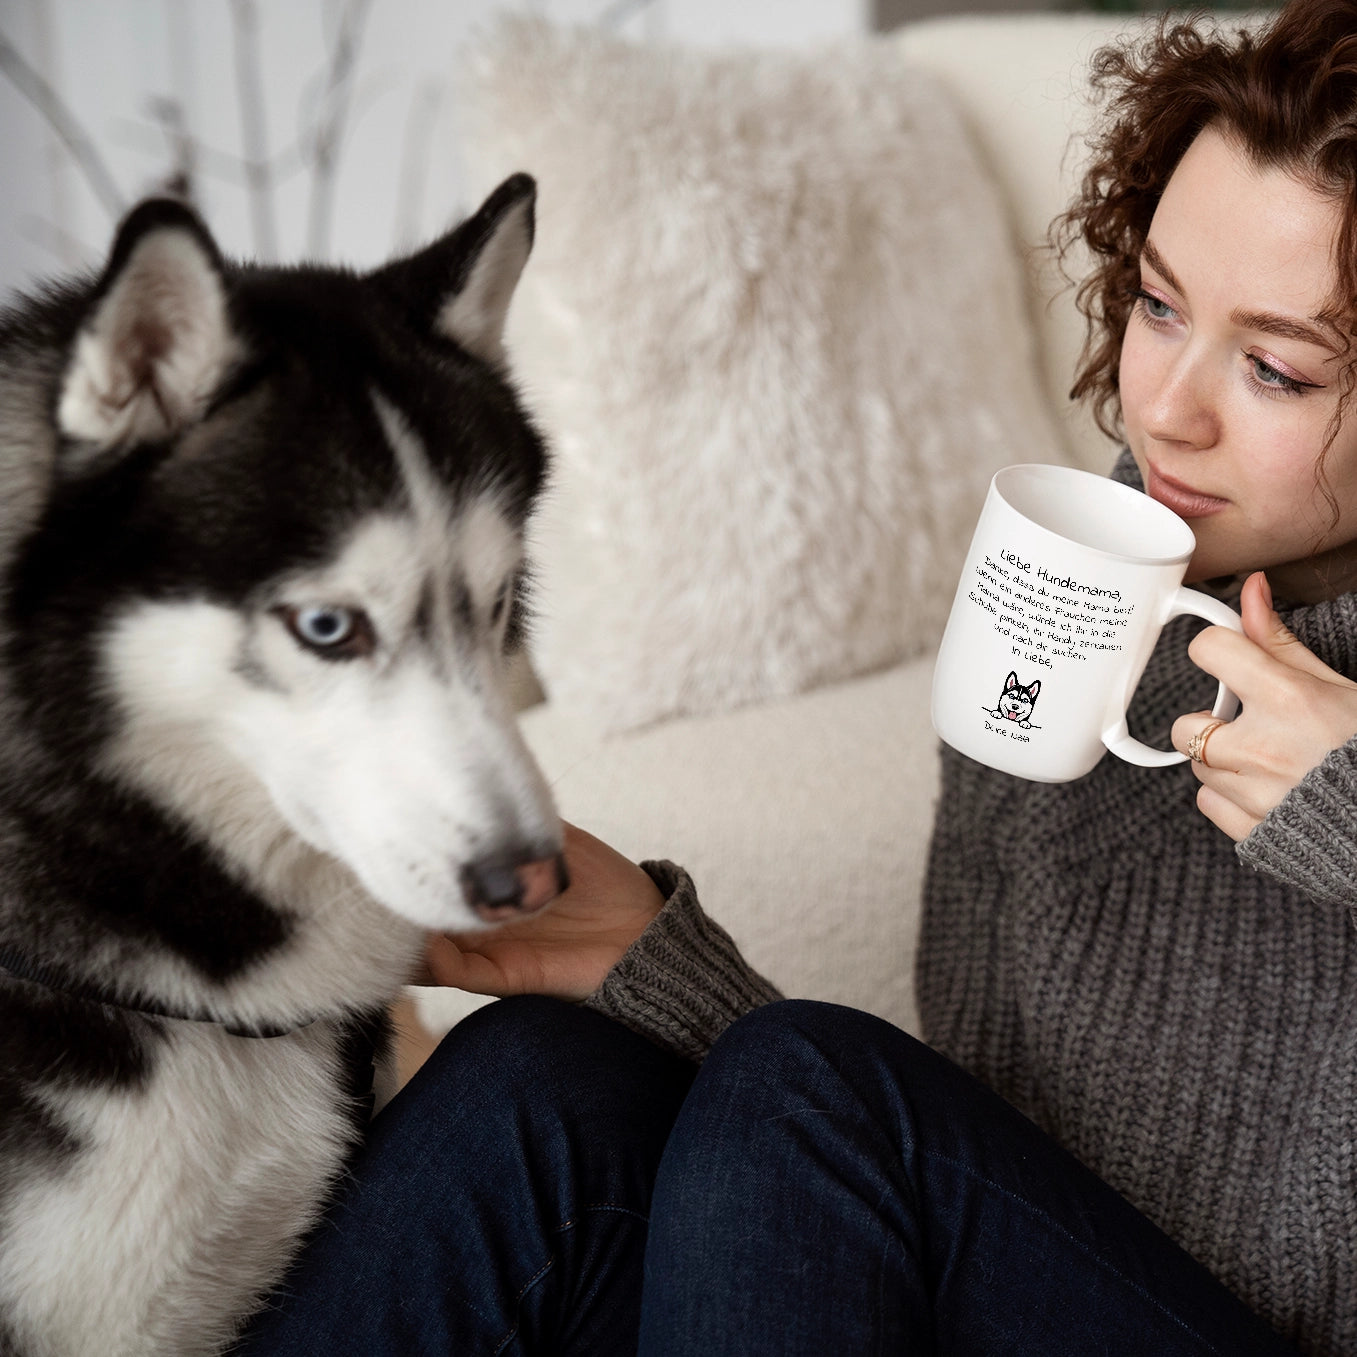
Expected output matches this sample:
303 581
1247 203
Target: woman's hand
565 950
1296 710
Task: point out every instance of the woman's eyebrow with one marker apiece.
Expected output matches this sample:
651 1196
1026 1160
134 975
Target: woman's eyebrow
1284 327
1266 322
1159 264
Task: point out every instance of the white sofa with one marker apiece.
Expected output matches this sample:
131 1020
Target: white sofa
805 822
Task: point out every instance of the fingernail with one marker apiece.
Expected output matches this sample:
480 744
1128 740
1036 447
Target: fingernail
1267 589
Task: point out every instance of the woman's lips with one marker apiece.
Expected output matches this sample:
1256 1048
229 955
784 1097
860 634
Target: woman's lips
1182 499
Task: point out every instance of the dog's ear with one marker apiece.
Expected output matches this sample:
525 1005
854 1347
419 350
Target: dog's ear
461 285
157 339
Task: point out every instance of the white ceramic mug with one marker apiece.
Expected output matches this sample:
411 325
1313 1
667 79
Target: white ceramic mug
1069 580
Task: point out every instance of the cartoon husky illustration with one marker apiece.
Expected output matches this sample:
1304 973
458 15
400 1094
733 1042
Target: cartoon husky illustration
1016 701
261 544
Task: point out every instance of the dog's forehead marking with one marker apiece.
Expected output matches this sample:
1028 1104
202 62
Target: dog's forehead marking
471 541
426 567
427 496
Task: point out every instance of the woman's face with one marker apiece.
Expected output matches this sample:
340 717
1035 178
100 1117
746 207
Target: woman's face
1228 380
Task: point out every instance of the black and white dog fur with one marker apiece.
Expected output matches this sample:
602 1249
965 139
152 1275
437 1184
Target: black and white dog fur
261 553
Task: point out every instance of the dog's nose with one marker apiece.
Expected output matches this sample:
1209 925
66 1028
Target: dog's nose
508 886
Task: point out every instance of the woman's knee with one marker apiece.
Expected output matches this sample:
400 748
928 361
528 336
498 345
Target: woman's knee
799 1053
806 1034
531 1048
551 1103
510 1039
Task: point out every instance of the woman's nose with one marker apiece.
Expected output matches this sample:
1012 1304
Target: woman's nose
1184 407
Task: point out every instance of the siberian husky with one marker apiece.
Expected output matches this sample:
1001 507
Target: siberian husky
261 564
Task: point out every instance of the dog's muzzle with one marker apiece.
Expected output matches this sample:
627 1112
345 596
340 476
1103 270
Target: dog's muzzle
506 887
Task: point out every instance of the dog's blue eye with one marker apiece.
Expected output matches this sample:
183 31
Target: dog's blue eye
325 626
330 630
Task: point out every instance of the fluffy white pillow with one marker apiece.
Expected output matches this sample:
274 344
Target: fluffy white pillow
773 325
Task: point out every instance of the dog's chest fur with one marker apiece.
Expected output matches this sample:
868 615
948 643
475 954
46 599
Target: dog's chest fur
208 1174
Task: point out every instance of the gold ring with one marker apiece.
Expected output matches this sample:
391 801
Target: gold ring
1196 746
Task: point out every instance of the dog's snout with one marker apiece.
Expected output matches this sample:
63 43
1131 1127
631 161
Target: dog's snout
508 886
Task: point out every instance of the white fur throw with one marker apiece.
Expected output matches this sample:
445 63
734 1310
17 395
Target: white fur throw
773 325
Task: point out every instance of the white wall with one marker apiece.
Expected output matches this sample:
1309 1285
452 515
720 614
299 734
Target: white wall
131 72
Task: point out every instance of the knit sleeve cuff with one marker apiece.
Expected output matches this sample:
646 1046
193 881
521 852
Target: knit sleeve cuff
1309 841
683 981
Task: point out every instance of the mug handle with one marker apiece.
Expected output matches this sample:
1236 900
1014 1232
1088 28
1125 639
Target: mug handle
1118 738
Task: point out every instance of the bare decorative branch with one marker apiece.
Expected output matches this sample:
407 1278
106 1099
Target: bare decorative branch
253 132
63 246
329 135
181 178
619 11
418 140
64 123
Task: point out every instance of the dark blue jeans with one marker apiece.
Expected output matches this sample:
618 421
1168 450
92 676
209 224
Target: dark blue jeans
551 1183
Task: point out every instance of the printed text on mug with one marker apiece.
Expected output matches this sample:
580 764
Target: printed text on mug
1045 615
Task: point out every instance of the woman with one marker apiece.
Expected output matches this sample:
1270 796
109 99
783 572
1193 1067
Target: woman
1167 989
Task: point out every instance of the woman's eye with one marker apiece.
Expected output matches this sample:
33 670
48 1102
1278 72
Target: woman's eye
1265 372
1154 307
1268 379
331 630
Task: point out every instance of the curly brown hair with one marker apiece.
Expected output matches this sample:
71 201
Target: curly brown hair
1286 94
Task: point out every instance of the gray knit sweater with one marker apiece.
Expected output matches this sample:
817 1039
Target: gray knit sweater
683 981
1180 1013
